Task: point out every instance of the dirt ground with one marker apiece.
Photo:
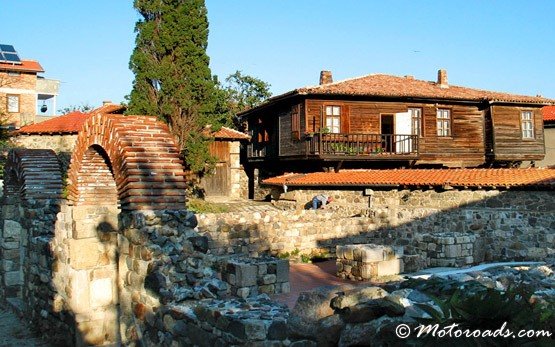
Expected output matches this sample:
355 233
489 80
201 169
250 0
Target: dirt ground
15 332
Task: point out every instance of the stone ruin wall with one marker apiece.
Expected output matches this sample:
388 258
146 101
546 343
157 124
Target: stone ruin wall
120 261
503 225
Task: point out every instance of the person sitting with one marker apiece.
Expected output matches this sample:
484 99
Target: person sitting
320 200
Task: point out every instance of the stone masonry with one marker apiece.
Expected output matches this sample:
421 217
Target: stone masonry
499 225
368 261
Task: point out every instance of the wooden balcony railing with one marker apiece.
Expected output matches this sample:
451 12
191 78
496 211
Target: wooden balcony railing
362 144
256 150
370 146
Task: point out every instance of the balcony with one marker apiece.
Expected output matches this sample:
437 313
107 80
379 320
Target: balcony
345 146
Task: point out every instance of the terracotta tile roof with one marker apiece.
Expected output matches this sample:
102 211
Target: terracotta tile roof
226 133
422 177
25 66
69 123
388 86
548 114
394 86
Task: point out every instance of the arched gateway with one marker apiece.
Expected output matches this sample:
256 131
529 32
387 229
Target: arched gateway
131 158
75 262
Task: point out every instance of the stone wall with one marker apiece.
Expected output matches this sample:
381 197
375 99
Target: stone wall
503 225
58 143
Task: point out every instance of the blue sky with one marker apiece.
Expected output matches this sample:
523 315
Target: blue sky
497 45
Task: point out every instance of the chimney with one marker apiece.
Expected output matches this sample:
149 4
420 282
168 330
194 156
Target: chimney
442 78
106 102
325 77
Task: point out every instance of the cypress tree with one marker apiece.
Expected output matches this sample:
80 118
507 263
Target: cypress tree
172 76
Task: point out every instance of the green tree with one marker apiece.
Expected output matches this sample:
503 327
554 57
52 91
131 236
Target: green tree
83 108
172 76
245 91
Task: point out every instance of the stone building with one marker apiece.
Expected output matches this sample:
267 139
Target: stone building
228 177
23 90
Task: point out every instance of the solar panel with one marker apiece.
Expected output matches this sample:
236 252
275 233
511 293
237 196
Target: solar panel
7 48
8 54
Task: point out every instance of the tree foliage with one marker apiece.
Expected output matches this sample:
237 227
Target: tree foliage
83 108
172 76
242 92
173 79
245 91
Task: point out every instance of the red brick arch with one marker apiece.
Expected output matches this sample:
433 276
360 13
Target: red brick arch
130 159
32 174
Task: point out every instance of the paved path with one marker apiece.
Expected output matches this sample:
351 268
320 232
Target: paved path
304 277
14 332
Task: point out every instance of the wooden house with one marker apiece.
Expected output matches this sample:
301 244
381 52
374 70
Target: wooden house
388 121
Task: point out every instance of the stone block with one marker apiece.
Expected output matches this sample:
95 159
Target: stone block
91 333
453 251
269 279
84 229
245 275
11 229
13 278
282 270
101 292
8 265
10 244
243 292
84 253
371 252
390 267
79 291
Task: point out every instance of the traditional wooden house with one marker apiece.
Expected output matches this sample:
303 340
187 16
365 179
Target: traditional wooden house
388 121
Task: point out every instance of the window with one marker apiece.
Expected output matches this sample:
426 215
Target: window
295 122
443 122
333 119
416 121
527 124
12 103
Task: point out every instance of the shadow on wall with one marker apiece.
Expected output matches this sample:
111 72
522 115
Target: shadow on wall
435 228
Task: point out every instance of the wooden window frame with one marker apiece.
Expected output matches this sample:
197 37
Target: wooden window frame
338 116
8 96
529 121
449 121
296 122
420 128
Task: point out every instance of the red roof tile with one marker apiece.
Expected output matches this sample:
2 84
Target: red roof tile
231 134
226 133
422 177
25 66
380 85
548 113
69 123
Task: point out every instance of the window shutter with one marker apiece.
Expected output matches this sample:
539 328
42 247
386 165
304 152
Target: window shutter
345 119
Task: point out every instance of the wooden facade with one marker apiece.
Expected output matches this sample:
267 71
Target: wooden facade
321 128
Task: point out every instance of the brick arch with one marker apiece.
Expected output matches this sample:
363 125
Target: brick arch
32 174
130 159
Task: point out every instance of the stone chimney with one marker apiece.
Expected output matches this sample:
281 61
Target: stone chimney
325 77
442 78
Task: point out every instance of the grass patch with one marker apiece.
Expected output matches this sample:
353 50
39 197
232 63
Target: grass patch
202 206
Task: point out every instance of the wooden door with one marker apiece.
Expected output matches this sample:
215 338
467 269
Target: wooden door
218 182
387 128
